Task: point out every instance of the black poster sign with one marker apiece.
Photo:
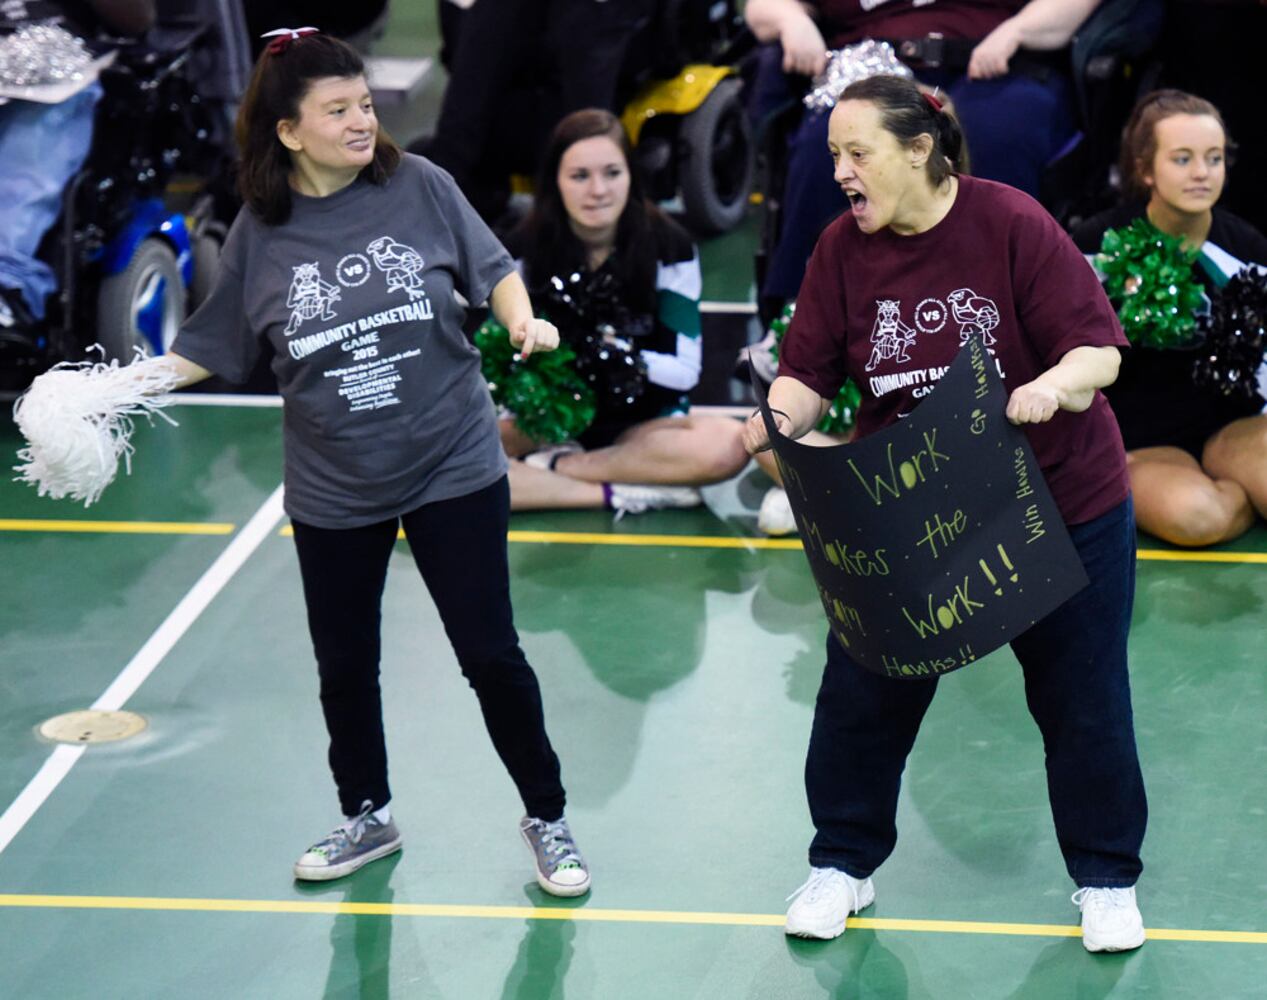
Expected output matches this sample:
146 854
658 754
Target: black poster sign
935 540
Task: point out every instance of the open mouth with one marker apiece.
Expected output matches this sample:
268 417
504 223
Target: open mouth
857 200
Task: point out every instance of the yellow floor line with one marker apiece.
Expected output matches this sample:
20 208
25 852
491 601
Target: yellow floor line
580 913
675 541
119 527
1169 555
552 538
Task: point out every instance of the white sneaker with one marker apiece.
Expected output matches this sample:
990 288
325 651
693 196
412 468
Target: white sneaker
775 516
760 357
629 498
1110 919
544 458
824 902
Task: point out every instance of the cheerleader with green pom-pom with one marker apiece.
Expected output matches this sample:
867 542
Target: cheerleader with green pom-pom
1187 397
627 281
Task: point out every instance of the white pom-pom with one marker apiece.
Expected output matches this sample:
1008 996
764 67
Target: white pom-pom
77 420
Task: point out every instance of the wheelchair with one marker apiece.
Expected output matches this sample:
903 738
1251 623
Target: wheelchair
129 266
674 84
686 118
1112 61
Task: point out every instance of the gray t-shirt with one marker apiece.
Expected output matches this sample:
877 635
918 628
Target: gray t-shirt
385 408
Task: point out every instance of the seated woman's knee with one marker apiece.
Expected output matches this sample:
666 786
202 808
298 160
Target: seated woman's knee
722 454
1199 515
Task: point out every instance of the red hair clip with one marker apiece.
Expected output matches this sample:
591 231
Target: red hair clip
932 101
282 37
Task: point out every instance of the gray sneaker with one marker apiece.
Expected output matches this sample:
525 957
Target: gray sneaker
561 871
350 845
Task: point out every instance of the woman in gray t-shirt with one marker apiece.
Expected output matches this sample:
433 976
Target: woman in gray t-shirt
348 260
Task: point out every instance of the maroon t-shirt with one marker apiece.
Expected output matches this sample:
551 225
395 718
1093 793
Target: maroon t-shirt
892 311
843 22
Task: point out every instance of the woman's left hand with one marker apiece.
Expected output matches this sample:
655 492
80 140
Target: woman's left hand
1033 403
534 335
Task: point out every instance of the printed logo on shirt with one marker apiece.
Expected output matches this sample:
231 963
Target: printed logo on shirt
892 338
401 264
930 316
353 270
890 335
975 314
309 297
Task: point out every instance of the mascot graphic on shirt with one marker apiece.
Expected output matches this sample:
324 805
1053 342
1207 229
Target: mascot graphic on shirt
975 314
309 296
400 263
890 335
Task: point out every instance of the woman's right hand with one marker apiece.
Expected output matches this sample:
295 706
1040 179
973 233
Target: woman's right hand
756 438
804 50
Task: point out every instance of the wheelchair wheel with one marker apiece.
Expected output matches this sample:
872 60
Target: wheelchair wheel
717 161
206 243
143 305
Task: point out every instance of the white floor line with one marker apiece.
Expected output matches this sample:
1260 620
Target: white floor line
225 399
729 308
63 758
39 788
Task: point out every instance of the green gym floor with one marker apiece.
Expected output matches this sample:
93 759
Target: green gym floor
679 656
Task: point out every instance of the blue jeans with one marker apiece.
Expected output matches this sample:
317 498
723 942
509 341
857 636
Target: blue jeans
1078 691
1014 126
42 146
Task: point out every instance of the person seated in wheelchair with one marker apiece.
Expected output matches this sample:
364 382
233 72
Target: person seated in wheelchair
515 69
594 246
998 61
46 128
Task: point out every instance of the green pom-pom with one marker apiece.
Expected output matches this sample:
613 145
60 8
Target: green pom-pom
843 412
547 397
1148 277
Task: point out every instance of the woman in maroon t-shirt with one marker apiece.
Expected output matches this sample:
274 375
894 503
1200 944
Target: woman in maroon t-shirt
938 258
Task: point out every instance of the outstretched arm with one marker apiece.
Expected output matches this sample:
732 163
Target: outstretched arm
186 372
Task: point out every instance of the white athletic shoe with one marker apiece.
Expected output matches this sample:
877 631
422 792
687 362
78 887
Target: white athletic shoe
1111 919
630 498
759 356
775 516
824 902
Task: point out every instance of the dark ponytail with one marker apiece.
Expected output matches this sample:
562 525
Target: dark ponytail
907 112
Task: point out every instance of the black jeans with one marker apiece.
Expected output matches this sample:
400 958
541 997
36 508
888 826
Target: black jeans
1078 691
459 546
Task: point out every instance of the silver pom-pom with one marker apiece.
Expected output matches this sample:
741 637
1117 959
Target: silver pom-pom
39 54
77 420
849 65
